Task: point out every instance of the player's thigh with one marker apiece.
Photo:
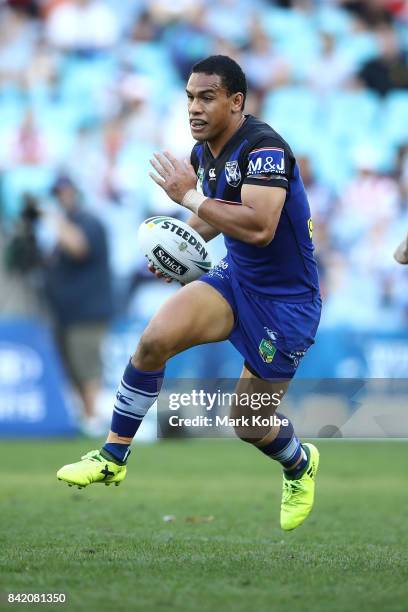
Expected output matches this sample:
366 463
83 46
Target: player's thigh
195 314
257 401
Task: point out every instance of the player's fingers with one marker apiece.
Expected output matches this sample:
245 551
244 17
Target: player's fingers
187 167
159 274
155 271
159 168
170 157
188 164
157 179
165 161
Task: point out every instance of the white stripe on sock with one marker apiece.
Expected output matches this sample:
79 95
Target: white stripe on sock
131 401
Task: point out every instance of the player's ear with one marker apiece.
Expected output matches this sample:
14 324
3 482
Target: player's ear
237 100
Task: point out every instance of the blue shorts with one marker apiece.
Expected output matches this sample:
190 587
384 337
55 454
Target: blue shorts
271 335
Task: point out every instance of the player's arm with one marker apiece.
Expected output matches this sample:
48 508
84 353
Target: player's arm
401 253
207 231
254 222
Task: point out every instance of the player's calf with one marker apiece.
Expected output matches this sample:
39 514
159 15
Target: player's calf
279 442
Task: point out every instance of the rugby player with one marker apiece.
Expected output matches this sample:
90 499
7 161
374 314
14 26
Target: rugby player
401 253
263 296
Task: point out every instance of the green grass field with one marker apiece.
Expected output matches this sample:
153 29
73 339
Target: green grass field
108 548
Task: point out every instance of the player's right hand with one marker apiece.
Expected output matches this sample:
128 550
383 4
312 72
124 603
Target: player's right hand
159 273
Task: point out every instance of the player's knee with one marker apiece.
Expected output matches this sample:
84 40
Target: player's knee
154 348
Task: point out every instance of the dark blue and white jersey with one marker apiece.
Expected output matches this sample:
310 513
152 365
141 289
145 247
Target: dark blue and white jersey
257 155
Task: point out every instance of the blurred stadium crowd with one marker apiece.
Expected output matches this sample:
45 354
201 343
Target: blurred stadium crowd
90 88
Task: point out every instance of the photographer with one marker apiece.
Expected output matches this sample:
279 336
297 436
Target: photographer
78 288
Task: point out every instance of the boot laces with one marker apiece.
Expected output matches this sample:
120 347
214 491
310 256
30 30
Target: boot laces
93 455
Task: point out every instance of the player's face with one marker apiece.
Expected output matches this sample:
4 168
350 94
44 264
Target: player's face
211 110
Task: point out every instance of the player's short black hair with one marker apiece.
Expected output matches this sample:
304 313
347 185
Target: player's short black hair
231 73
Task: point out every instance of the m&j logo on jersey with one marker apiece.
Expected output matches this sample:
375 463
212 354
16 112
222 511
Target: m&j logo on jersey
268 160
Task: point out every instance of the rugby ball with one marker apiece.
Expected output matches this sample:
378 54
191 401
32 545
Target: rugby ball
174 248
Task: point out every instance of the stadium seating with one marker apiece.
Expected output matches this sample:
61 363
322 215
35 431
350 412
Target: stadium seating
325 126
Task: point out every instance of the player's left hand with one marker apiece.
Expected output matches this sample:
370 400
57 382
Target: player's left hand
175 177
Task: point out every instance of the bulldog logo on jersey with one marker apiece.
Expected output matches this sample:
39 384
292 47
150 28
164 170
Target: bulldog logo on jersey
232 173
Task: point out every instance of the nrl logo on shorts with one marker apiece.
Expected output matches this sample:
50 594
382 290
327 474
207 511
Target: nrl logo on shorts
267 350
232 173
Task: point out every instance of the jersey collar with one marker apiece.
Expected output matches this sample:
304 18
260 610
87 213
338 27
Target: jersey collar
229 142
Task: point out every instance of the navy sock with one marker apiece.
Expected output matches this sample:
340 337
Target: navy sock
287 450
137 392
118 453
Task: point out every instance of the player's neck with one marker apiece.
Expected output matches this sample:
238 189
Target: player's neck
218 143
